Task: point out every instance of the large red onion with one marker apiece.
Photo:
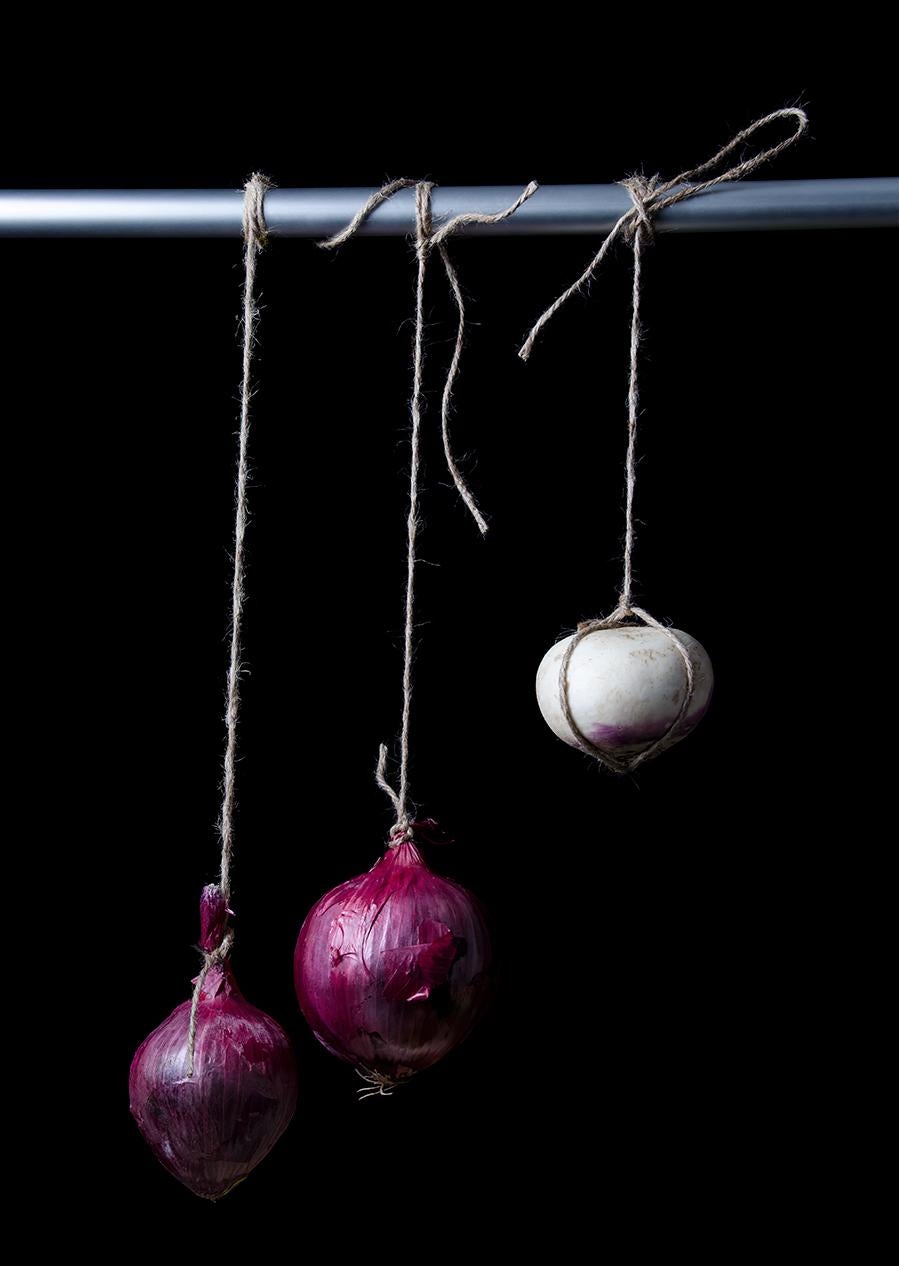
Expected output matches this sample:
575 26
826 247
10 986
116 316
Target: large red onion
212 1128
391 968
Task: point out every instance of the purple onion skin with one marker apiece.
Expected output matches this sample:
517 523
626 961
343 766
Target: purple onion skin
392 968
210 1130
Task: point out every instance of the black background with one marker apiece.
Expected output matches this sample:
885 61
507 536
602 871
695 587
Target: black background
692 1056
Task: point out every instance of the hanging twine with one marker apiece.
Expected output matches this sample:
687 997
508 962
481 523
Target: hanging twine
255 236
649 196
427 238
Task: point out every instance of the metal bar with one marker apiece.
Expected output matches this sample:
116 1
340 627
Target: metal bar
554 209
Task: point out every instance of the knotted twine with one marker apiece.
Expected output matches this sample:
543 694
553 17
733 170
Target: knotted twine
649 196
217 946
427 238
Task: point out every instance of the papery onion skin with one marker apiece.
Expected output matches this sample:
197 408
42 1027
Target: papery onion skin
392 968
211 1129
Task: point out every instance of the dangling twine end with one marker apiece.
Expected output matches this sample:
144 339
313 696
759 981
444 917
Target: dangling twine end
381 775
401 829
483 525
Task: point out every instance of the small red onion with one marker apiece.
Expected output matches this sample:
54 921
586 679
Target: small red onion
391 968
212 1128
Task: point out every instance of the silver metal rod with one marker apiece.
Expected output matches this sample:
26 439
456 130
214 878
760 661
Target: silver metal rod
554 209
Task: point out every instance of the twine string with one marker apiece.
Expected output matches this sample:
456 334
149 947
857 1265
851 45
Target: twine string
422 234
642 230
427 238
648 197
255 236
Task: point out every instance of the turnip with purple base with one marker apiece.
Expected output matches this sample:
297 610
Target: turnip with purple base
626 687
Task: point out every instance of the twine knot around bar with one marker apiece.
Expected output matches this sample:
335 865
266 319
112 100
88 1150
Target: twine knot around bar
641 189
216 936
424 221
649 195
255 229
427 239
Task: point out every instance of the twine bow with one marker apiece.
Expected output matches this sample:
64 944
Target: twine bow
649 197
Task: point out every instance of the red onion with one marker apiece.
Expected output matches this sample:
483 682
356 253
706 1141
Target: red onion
212 1128
391 968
